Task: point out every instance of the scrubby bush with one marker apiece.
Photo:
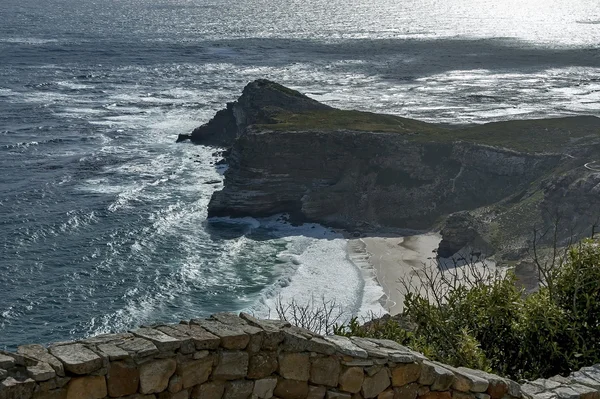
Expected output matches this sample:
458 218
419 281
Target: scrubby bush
483 320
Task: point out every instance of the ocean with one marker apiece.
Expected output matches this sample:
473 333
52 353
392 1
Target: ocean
103 221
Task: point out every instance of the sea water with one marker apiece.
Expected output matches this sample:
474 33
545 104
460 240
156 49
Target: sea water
103 217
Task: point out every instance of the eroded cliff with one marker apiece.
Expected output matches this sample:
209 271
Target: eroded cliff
364 171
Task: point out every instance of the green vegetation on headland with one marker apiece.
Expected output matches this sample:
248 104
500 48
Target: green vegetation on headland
489 323
533 135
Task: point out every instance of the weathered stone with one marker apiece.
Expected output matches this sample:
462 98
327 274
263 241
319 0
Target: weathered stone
231 337
13 389
580 378
77 359
177 395
194 372
112 352
437 377
200 355
155 375
162 341
585 392
481 395
6 362
255 333
3 374
348 361
372 349
272 335
387 394
139 348
239 389
264 388
40 353
498 386
351 379
89 387
187 345
41 372
436 395
52 394
404 374
111 338
590 372
295 340
373 386
566 393
346 347
122 379
371 371
316 392
175 384
325 371
338 395
468 382
291 389
406 392
209 390
531 389
294 366
462 395
422 390
545 384
232 365
262 364
560 379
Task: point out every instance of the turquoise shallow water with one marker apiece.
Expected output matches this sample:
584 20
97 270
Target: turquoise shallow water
103 217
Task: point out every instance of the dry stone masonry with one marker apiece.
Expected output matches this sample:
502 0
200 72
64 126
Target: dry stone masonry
240 357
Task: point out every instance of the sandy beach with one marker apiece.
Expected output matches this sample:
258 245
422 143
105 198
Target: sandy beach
394 258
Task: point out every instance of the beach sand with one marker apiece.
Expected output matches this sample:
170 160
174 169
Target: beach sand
395 258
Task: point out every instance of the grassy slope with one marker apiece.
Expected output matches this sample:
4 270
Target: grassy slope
537 135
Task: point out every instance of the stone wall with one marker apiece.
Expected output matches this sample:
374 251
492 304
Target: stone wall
234 357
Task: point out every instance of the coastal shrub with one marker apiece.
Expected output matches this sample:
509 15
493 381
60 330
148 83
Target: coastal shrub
485 320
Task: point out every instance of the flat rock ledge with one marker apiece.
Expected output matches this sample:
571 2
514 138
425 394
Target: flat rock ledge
239 357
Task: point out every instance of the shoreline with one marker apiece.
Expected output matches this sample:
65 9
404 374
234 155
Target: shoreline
392 258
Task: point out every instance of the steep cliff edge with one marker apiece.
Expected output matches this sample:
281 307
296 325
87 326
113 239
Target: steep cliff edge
365 171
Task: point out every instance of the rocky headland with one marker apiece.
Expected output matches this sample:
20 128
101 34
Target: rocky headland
485 186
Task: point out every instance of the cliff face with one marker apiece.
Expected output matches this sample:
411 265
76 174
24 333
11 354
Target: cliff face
367 179
364 171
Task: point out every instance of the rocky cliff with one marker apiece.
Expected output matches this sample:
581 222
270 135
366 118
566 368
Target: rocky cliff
364 171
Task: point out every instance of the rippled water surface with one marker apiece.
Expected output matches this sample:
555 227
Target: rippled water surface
103 217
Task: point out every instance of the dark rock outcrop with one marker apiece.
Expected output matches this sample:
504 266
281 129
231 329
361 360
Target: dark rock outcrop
365 172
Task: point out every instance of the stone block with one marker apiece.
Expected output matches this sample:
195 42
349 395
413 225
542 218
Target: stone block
316 392
194 372
581 378
231 337
325 371
89 387
294 366
468 382
264 388
112 352
155 375
409 391
291 389
338 395
139 348
231 365
175 384
40 353
41 372
272 335
373 386
262 364
387 394
351 379
404 374
209 390
123 378
77 359
436 377
6 362
13 389
372 349
585 392
238 389
255 333
436 395
346 347
162 341
498 386
566 393
59 393
462 395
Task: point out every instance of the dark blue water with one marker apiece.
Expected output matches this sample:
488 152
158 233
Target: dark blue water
103 217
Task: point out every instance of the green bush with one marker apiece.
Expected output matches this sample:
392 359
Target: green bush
488 323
